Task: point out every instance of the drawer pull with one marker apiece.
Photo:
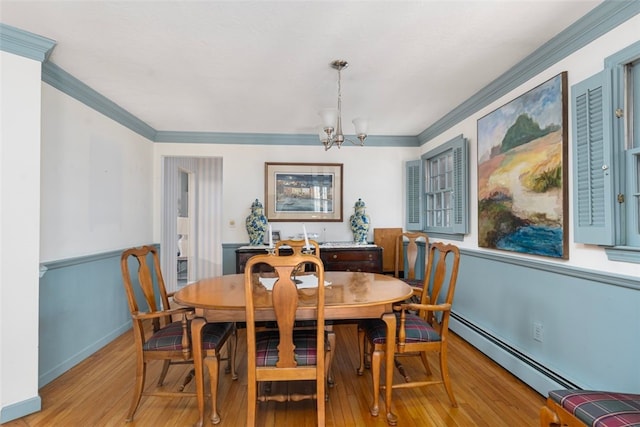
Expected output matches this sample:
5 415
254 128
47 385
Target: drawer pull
335 256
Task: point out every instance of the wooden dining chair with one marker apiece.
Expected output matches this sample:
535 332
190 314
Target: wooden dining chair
407 259
297 246
421 333
167 338
286 353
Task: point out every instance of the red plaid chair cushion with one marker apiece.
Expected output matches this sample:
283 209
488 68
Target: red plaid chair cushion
416 329
600 408
170 337
304 340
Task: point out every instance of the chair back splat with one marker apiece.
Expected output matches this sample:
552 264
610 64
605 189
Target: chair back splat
407 259
286 353
162 332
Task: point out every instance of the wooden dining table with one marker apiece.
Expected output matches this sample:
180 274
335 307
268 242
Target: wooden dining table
348 296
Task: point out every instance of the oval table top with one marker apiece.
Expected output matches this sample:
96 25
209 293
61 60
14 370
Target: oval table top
346 289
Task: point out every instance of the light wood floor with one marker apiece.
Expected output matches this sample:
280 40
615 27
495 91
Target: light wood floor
97 392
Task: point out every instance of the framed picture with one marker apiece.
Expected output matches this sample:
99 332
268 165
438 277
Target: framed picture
303 191
275 236
522 173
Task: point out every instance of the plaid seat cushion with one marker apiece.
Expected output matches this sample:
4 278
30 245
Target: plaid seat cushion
169 338
414 283
166 339
600 408
416 329
213 333
304 340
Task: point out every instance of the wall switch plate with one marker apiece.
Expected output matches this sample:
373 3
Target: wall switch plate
538 331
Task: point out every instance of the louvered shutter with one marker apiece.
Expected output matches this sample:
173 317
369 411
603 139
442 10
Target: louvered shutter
415 212
460 219
592 160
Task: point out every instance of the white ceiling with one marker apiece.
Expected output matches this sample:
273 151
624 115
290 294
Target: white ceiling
263 66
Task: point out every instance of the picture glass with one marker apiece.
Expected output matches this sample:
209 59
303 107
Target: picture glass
303 191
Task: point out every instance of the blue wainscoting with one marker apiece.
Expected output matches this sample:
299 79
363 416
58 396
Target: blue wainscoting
229 257
83 307
591 321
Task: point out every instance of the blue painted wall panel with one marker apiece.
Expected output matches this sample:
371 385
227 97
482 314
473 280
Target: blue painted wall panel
82 308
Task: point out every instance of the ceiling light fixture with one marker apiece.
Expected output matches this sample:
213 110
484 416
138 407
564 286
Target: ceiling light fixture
331 133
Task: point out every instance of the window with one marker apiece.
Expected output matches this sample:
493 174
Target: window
606 150
437 195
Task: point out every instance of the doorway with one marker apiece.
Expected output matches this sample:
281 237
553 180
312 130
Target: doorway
191 219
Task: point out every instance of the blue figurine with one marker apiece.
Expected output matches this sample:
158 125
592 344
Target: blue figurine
256 224
359 223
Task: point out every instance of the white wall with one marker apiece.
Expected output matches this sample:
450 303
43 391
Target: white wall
375 174
96 181
19 230
580 65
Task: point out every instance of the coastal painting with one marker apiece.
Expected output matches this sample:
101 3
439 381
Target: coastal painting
522 173
303 191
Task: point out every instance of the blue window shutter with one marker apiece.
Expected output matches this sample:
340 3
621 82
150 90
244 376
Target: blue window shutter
415 212
592 160
460 220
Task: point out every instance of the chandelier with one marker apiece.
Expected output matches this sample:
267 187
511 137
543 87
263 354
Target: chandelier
331 133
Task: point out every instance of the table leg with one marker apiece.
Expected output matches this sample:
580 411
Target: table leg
196 341
390 320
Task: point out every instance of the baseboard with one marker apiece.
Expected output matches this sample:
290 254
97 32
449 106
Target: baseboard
20 409
46 377
519 364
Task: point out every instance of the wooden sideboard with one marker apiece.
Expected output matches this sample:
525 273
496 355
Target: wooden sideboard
366 258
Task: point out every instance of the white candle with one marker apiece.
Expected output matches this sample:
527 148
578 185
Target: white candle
306 238
270 236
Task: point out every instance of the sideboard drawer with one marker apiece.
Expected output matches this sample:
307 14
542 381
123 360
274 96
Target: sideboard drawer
342 259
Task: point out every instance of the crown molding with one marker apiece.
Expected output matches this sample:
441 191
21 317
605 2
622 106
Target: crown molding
23 43
65 82
602 19
275 139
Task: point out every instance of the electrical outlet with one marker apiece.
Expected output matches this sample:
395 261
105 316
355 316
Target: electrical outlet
538 331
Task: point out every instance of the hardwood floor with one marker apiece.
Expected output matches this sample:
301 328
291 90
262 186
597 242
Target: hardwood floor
97 392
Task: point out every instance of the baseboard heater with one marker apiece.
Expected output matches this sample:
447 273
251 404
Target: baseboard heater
553 376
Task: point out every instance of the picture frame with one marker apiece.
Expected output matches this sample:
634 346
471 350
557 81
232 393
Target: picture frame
523 173
275 236
303 192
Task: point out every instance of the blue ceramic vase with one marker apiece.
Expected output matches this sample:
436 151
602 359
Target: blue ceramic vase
359 223
256 224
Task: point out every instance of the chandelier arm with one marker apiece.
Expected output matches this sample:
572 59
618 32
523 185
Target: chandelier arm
360 142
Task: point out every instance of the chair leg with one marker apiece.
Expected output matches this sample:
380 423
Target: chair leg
361 347
401 369
548 417
213 365
232 347
187 379
331 336
425 362
320 402
376 358
444 369
141 371
163 373
252 401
